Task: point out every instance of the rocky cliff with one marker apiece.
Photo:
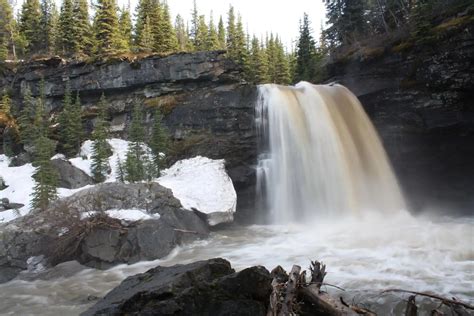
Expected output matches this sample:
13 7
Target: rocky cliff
420 98
207 108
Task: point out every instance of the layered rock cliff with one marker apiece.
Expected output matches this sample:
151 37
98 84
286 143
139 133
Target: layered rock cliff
420 99
207 108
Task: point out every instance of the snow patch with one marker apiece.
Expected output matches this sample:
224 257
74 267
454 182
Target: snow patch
203 184
131 215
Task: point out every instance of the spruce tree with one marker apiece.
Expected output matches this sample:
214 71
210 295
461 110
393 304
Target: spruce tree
70 124
107 33
168 41
66 41
134 163
100 152
125 23
7 26
9 131
258 63
30 24
120 172
26 118
212 42
221 34
231 33
45 176
194 24
200 41
282 65
83 39
181 34
146 37
48 25
306 53
158 142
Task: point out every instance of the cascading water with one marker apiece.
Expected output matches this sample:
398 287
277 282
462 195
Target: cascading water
320 155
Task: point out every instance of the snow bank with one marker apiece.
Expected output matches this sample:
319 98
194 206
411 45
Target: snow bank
131 215
203 184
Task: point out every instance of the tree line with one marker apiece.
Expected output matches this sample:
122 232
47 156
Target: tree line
41 29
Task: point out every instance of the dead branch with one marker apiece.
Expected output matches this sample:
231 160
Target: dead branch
412 309
290 293
445 300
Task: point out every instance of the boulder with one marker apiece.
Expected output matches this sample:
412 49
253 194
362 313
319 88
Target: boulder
83 227
70 177
208 287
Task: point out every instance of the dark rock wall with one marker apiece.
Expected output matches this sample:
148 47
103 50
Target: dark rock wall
207 108
422 103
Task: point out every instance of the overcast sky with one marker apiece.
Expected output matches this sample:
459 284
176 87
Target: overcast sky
260 16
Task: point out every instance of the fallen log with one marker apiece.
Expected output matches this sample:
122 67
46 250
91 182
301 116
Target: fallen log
444 300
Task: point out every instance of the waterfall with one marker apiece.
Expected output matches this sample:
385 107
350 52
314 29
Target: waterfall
320 156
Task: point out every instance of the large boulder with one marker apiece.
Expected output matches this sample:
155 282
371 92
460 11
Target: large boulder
70 177
95 227
208 287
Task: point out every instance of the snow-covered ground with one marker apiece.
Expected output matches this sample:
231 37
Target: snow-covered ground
199 183
130 215
203 184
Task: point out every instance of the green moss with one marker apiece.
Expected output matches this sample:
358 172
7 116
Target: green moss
165 103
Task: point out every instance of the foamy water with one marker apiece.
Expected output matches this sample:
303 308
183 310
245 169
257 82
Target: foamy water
363 256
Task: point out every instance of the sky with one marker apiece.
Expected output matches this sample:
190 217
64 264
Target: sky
259 16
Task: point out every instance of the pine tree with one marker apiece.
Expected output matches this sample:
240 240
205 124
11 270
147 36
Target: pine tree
258 63
83 39
212 42
45 175
168 40
26 119
134 163
10 129
146 37
194 24
30 24
158 142
48 26
125 23
120 172
231 32
66 41
181 34
70 124
107 33
6 29
221 34
282 65
306 53
100 153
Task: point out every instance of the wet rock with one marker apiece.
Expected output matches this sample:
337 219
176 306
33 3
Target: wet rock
20 159
202 288
63 232
70 177
420 101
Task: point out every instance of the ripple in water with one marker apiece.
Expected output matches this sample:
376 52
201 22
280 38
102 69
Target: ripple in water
362 256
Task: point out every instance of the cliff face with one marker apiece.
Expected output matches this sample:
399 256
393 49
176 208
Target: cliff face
421 102
207 109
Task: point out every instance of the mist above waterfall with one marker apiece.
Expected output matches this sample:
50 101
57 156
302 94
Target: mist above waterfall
320 156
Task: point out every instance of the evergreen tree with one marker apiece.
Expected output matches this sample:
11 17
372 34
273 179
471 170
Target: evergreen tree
238 45
120 172
134 163
212 42
146 37
66 41
282 65
194 25
200 41
258 63
107 33
181 34
125 23
45 175
142 13
48 25
30 24
100 152
231 32
26 119
83 39
70 124
7 26
221 34
158 142
168 41
306 53
9 131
